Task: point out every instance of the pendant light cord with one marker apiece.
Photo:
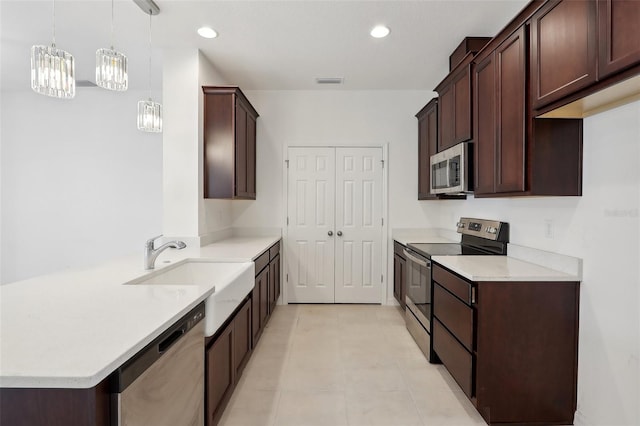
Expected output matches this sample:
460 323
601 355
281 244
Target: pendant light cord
54 24
150 15
112 25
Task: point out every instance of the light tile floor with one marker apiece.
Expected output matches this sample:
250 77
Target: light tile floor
333 365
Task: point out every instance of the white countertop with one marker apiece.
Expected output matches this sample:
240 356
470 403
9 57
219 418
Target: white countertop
501 268
72 329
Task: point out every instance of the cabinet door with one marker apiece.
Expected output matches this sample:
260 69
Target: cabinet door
618 22
274 282
510 59
260 304
399 266
251 156
219 375
240 165
241 338
427 146
485 126
462 130
563 49
255 312
446 116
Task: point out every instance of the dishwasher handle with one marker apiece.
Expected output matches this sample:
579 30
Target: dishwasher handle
171 339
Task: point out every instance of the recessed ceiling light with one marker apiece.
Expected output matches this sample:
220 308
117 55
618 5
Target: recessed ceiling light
380 31
207 32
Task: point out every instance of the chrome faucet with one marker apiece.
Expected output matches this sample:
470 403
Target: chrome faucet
150 254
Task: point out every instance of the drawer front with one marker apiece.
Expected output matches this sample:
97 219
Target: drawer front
454 356
454 314
453 283
274 250
397 249
261 262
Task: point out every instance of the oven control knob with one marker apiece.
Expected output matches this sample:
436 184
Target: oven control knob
460 225
491 230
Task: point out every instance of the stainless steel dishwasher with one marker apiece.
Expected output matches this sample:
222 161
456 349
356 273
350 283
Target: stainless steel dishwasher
163 384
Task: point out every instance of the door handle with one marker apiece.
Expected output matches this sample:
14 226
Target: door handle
339 233
330 233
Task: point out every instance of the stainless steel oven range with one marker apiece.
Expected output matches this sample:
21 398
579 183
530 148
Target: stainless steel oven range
479 237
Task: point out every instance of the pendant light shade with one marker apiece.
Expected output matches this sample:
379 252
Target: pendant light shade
149 116
52 72
53 69
111 66
111 70
150 112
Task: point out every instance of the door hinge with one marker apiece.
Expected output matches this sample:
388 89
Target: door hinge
382 220
381 278
287 277
287 161
382 161
287 220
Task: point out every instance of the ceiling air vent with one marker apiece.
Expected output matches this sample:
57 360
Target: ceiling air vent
330 80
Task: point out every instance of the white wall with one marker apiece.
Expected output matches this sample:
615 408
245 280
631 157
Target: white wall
186 213
336 118
603 228
80 183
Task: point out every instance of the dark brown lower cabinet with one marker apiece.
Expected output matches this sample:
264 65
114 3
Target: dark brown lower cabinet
266 291
260 303
225 358
274 282
520 364
229 351
219 373
399 273
55 407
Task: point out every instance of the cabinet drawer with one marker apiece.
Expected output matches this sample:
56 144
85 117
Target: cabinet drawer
454 356
274 250
261 262
454 314
453 283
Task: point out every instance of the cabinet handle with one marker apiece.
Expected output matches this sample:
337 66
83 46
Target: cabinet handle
339 233
330 233
473 295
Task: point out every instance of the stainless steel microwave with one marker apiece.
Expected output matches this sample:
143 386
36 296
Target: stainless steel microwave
452 170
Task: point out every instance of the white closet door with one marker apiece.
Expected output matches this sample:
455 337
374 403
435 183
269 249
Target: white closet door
311 198
358 238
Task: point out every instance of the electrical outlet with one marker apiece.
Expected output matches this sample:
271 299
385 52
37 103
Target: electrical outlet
548 228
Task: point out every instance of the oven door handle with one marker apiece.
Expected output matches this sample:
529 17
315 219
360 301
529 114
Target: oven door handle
411 257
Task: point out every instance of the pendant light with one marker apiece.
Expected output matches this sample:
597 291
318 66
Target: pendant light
53 69
150 112
111 66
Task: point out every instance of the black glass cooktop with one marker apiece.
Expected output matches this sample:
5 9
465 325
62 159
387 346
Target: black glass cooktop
444 249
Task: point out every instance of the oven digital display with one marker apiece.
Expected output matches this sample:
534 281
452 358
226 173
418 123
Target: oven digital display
475 226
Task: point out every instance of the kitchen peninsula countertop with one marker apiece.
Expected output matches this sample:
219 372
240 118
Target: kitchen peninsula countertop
501 268
73 328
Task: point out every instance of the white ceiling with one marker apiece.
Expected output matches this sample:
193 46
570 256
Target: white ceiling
280 45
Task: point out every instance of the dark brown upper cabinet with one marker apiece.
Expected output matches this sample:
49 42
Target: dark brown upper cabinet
229 144
454 105
514 153
500 109
563 49
618 22
427 146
